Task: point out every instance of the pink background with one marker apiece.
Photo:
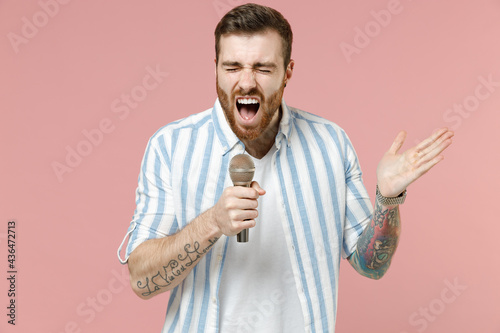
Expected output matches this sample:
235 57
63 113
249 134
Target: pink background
66 75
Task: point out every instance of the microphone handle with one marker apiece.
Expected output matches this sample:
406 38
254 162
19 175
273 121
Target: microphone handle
242 236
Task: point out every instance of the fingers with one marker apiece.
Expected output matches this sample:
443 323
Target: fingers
398 142
428 165
427 154
253 192
441 140
435 150
438 136
237 208
241 203
240 218
400 170
257 187
241 215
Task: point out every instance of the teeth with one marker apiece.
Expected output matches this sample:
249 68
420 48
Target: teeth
248 101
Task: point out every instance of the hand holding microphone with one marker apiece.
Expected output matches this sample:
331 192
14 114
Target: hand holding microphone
241 170
236 209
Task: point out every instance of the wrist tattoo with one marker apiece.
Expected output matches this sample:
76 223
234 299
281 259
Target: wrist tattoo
174 268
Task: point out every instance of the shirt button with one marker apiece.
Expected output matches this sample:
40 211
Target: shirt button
219 258
293 248
214 300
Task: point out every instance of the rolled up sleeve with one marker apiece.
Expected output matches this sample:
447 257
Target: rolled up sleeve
154 216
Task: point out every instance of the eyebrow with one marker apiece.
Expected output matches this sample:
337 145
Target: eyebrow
256 65
265 64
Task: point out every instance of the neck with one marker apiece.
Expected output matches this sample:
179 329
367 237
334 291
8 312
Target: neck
259 147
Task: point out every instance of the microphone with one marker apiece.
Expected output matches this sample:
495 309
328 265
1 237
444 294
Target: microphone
241 170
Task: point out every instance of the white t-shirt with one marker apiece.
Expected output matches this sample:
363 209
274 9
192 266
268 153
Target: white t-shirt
257 291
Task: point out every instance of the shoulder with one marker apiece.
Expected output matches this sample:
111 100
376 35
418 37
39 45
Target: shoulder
310 122
196 121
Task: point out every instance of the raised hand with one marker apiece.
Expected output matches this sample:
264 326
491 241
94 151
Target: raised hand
396 171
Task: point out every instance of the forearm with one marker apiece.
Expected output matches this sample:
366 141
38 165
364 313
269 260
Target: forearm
158 265
378 242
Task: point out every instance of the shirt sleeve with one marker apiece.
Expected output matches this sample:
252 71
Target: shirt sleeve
359 209
154 216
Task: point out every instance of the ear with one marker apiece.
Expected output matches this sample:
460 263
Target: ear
215 70
289 71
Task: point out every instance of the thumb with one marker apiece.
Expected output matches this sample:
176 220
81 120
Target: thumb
257 187
398 142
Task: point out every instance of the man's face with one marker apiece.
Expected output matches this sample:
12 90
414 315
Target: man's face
250 81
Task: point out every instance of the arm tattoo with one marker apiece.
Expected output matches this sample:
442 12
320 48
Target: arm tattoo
379 241
174 268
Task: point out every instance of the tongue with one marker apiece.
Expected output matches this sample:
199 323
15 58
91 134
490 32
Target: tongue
248 111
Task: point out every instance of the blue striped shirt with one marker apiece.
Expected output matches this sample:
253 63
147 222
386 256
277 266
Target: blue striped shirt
322 199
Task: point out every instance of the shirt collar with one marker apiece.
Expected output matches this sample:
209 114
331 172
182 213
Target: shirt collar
228 139
285 125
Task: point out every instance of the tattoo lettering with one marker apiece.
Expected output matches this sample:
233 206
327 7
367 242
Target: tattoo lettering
174 268
191 254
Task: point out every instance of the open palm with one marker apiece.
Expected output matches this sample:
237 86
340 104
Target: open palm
396 171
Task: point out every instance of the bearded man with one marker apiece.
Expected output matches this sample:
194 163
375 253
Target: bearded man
307 209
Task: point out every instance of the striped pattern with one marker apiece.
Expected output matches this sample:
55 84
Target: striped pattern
323 204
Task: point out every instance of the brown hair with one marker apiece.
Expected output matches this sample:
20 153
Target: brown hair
252 18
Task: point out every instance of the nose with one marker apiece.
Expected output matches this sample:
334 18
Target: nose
247 80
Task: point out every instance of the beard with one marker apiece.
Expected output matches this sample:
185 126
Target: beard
267 108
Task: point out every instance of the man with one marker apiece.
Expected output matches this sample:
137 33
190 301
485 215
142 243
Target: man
306 209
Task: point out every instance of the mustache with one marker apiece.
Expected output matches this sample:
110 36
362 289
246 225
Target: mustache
250 92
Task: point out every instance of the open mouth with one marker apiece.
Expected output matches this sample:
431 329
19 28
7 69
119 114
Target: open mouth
247 107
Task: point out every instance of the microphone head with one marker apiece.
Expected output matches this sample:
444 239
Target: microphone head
241 170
